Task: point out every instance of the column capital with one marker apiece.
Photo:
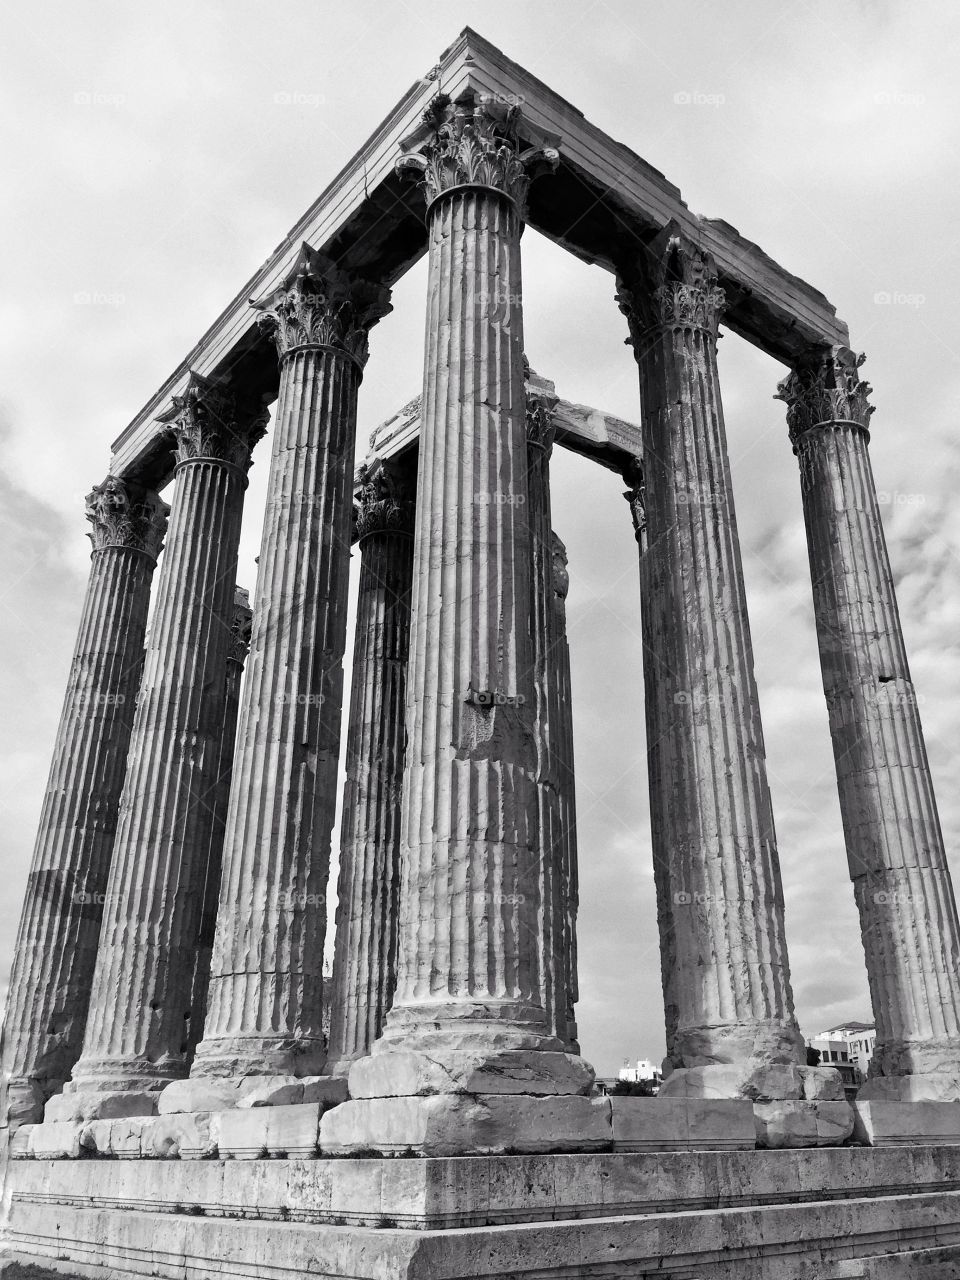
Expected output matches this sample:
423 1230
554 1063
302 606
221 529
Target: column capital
672 284
826 389
561 577
209 421
636 495
540 425
383 502
241 626
122 514
320 304
473 142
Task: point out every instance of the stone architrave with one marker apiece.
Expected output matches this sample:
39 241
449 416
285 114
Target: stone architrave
467 1013
729 1005
562 744
895 850
56 947
138 1026
365 960
555 967
264 1005
236 657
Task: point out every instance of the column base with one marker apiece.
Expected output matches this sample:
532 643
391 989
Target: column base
398 1072
215 1093
758 1083
467 1124
889 1124
239 1056
934 1086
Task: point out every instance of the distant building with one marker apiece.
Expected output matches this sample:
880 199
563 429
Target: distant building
642 1069
849 1048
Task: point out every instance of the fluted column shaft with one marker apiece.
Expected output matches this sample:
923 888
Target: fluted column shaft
266 977
469 900
59 929
555 995
138 1027
562 745
236 657
720 901
365 959
895 851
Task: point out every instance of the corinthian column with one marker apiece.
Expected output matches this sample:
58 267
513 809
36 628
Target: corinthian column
266 983
365 961
554 960
138 1027
908 914
467 1015
729 1006
236 657
56 947
562 745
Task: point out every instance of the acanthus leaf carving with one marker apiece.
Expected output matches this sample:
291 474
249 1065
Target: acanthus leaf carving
241 627
474 142
321 304
672 285
825 389
207 420
124 515
383 502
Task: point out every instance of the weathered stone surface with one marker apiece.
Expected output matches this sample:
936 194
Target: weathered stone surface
789 1123
923 1087
667 1124
137 1034
880 1123
724 960
365 958
822 1084
56 1140
278 1091
409 1072
464 1124
266 985
275 1131
199 1094
84 1105
895 850
56 948
19 1142
740 1080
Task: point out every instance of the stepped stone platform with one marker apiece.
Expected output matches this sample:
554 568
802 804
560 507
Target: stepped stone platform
874 1213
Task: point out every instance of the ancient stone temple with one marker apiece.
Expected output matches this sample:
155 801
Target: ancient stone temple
173 1102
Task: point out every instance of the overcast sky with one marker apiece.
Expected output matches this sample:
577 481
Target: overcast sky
156 154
